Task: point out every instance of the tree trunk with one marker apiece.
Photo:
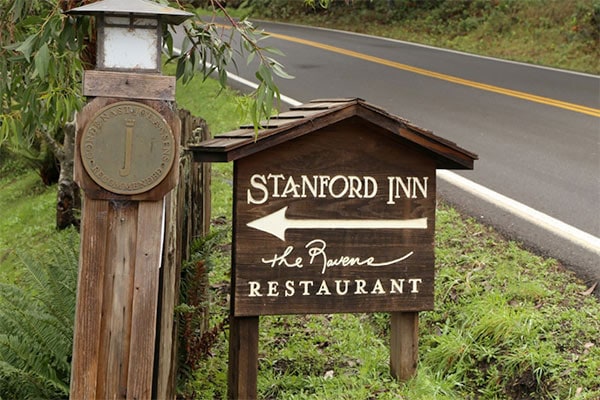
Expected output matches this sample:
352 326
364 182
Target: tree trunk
48 168
68 204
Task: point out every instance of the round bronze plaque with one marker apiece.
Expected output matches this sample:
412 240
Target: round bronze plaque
127 148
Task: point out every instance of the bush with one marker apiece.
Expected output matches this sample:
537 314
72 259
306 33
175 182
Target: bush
586 21
9 164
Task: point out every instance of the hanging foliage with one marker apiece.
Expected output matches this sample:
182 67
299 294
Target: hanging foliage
43 53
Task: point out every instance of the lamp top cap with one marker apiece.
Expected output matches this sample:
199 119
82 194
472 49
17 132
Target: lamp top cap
137 7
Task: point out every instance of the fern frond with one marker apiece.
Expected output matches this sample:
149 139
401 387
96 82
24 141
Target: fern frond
36 325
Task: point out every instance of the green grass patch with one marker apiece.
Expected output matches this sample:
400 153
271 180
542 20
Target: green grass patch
504 318
27 219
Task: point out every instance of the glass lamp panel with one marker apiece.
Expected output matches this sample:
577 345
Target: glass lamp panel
126 48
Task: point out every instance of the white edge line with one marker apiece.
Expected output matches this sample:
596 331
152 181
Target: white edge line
253 85
557 227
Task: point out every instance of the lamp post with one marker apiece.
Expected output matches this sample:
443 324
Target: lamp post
126 163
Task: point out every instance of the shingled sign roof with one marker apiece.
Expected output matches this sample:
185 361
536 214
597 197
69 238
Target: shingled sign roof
316 114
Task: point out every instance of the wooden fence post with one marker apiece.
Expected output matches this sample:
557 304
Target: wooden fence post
187 217
122 229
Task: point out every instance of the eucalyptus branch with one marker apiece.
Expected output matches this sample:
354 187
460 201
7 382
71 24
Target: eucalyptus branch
242 32
203 40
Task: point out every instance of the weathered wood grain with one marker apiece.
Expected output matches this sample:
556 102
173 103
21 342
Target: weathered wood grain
116 321
128 85
90 289
243 358
145 299
116 309
404 344
348 148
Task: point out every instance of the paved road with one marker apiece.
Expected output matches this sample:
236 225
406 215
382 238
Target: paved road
536 130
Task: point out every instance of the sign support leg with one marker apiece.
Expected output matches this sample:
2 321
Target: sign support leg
243 358
404 344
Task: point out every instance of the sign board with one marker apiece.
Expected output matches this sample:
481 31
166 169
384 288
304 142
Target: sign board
334 211
339 221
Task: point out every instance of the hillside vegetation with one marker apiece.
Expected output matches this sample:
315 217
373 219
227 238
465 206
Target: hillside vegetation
557 33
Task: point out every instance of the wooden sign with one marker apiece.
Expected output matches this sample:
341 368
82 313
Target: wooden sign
339 221
334 211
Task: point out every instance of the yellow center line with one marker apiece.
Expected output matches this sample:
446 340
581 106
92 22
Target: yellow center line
449 78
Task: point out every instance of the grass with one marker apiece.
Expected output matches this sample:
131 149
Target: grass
507 325
27 211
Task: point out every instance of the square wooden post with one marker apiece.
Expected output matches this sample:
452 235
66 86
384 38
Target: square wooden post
121 237
243 358
404 344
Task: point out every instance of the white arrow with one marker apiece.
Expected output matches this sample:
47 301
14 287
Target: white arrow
277 223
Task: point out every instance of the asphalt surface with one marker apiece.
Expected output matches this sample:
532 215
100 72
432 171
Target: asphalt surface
536 130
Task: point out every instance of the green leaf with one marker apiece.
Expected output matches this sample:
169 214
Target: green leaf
223 77
42 59
273 50
277 69
189 71
169 43
26 48
250 58
33 20
180 68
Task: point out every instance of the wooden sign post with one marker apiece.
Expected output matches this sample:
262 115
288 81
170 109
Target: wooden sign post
125 165
126 151
334 212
